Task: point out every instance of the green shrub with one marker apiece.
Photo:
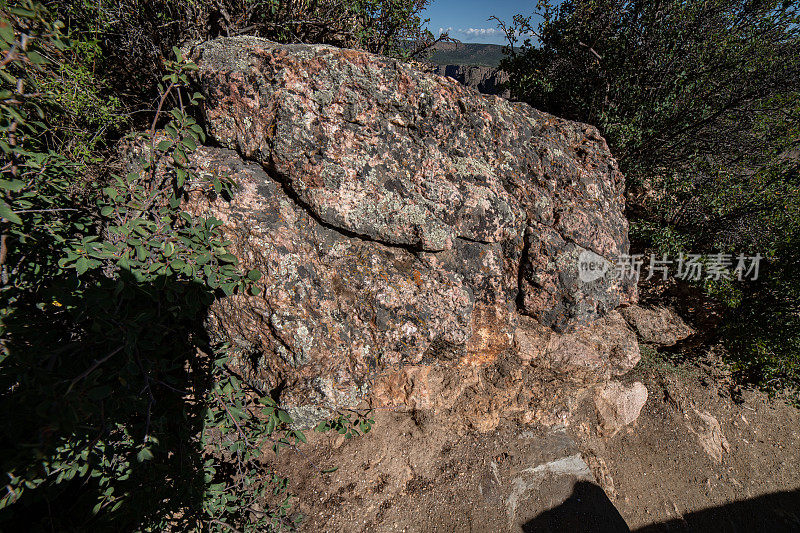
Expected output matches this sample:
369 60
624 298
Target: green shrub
117 409
137 36
700 102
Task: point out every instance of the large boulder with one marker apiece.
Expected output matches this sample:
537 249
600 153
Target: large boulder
400 220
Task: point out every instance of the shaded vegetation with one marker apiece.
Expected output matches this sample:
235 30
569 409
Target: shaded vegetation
700 102
116 407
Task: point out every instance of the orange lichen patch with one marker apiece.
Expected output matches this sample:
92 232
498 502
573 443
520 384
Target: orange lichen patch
490 335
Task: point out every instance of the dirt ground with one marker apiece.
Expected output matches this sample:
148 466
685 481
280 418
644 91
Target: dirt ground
695 460
675 465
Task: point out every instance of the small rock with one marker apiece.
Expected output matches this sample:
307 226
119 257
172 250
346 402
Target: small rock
594 353
709 434
619 405
657 325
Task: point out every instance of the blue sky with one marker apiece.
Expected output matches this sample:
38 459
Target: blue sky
467 19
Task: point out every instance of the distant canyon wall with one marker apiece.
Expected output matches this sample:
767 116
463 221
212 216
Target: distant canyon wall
487 80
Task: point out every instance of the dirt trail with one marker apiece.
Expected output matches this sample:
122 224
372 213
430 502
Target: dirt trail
700 460
695 460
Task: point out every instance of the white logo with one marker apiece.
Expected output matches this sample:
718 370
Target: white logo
592 266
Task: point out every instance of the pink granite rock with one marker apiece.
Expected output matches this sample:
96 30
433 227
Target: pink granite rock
400 219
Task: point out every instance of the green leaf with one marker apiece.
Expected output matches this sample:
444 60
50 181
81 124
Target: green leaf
254 275
228 288
6 31
36 58
111 192
13 185
284 417
199 131
189 144
12 80
82 265
141 253
22 12
8 214
144 455
228 258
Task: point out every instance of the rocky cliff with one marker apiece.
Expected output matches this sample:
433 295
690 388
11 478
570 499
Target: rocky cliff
486 80
419 241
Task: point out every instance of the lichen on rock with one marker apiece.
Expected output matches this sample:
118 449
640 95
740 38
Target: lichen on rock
410 231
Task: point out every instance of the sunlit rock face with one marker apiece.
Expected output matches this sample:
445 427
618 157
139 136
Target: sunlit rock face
409 230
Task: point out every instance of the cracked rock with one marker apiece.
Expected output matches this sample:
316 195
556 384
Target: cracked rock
401 220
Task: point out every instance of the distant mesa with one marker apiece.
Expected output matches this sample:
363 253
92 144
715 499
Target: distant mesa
485 55
474 65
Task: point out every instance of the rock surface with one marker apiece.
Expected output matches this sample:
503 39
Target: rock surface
590 354
619 405
486 80
411 233
657 325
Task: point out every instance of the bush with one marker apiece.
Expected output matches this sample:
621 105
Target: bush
700 102
117 408
137 36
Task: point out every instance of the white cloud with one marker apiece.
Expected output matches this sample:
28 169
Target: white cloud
480 31
472 32
475 35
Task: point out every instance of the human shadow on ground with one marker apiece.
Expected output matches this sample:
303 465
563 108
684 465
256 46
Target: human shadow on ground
588 509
